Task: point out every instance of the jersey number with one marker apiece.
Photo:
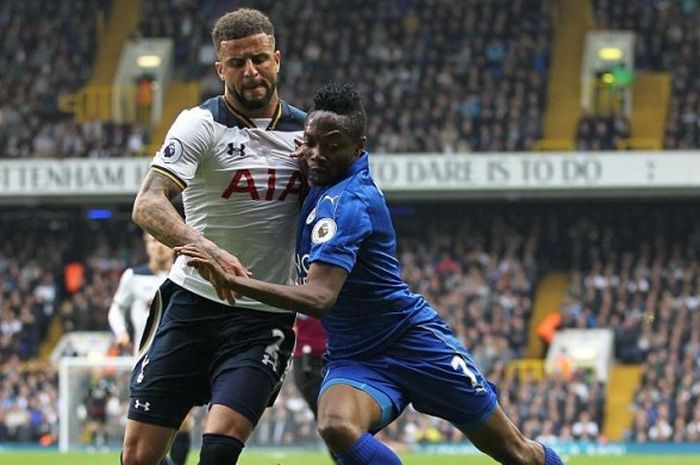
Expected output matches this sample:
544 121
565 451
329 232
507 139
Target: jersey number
272 351
244 182
458 363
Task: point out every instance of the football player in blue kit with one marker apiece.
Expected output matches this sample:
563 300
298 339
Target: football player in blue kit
387 347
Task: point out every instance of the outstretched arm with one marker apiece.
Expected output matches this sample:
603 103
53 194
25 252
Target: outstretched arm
315 297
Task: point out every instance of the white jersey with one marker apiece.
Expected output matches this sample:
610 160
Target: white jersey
241 189
136 290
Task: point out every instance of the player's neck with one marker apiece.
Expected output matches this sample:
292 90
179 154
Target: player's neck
266 112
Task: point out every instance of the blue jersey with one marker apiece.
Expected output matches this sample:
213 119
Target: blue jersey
348 225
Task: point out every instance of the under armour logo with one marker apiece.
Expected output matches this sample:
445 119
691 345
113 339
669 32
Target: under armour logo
237 151
145 405
145 362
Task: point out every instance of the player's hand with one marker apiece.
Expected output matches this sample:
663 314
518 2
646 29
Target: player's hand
216 266
122 339
299 148
300 154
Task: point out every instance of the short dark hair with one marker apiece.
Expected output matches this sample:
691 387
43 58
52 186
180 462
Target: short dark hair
240 23
345 100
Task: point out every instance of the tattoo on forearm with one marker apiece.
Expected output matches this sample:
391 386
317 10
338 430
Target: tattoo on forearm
154 211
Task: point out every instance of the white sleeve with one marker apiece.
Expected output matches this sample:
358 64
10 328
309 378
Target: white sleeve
121 302
187 143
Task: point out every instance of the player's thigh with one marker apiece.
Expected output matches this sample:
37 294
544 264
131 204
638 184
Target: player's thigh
498 437
188 422
440 376
145 443
247 369
172 374
239 397
373 398
348 404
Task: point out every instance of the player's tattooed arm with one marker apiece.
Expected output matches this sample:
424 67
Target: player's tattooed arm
155 213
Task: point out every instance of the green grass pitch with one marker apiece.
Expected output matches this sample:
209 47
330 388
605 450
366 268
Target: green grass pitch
317 458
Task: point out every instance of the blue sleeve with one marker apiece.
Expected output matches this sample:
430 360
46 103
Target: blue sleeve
339 231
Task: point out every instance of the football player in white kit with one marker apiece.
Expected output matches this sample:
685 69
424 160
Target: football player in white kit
133 298
230 159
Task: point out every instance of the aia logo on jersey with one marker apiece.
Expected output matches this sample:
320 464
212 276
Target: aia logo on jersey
243 182
236 151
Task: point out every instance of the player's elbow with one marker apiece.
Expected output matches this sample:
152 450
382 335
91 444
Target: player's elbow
322 303
138 212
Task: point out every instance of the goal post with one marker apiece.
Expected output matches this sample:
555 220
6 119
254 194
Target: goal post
93 401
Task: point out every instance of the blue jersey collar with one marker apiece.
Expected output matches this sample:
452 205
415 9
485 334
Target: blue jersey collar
359 165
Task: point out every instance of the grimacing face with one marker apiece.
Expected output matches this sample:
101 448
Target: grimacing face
327 147
249 68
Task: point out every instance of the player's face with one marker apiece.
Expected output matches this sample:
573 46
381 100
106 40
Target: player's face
157 251
328 149
249 68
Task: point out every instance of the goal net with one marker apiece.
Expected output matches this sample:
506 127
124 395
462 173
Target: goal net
93 399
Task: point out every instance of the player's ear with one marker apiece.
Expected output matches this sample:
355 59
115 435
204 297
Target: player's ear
219 69
361 144
278 59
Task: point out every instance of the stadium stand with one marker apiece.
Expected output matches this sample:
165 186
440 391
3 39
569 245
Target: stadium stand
495 58
47 50
456 77
29 407
479 271
671 47
482 284
643 283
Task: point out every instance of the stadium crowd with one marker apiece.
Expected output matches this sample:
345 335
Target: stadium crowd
643 281
595 133
46 50
493 58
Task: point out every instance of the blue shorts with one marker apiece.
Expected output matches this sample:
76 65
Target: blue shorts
427 367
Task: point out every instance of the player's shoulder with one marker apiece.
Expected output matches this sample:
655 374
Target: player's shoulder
194 119
292 118
142 270
360 187
349 196
218 112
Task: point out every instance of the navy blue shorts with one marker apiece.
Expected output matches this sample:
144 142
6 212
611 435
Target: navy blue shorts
202 352
428 367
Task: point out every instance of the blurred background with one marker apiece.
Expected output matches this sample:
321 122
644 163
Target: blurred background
540 159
